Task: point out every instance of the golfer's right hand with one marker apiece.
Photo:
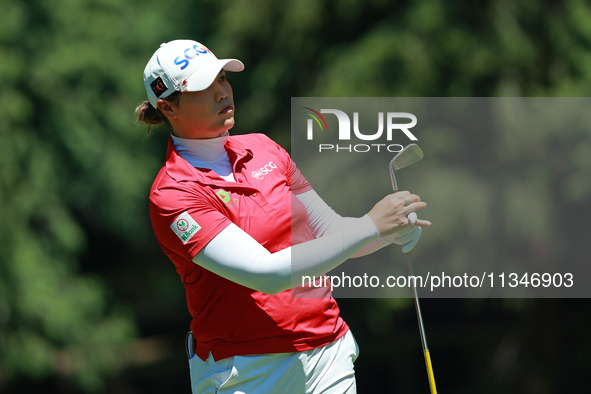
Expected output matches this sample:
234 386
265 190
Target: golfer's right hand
390 214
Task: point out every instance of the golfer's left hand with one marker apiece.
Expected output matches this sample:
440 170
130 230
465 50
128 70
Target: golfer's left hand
408 237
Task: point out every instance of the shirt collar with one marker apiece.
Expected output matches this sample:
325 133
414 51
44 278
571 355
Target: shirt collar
181 171
206 150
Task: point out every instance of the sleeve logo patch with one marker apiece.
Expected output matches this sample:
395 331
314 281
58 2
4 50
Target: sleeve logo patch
184 226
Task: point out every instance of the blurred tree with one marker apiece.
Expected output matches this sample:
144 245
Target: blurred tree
68 172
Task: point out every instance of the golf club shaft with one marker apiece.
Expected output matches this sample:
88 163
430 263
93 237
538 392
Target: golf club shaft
407 156
422 329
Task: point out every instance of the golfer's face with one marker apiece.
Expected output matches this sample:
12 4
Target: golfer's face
207 113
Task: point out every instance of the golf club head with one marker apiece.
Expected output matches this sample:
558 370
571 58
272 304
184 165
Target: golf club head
410 154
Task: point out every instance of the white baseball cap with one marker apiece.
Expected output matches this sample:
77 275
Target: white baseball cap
184 66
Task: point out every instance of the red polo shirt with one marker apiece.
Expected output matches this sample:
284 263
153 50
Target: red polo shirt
190 206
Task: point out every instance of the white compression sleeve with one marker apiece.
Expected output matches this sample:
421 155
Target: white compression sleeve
249 264
324 220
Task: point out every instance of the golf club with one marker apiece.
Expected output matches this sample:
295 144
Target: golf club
410 154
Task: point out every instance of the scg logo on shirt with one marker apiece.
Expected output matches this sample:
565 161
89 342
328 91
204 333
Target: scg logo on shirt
264 170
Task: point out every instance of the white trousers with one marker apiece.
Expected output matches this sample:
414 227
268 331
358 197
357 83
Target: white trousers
326 370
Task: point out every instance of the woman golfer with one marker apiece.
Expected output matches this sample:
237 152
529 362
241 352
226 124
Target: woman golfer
237 219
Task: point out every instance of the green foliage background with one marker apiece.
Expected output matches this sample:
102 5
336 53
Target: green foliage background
89 304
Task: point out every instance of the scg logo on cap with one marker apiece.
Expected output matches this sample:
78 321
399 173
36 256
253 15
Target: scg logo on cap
189 54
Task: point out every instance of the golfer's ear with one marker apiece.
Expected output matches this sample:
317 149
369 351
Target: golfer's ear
167 108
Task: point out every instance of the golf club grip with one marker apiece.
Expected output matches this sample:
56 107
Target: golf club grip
430 372
428 364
